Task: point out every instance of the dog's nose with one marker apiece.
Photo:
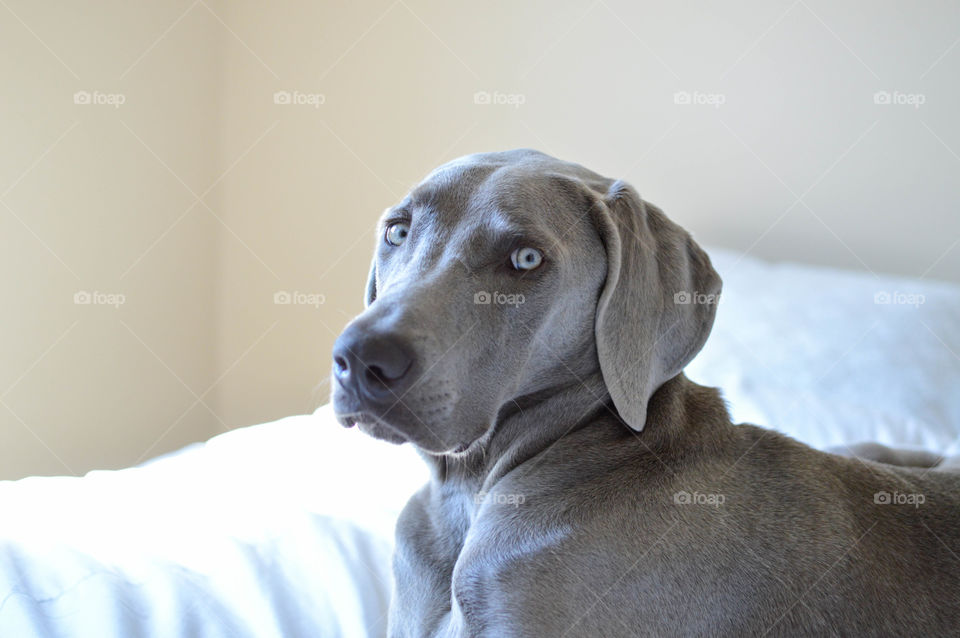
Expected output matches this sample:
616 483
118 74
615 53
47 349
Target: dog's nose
375 367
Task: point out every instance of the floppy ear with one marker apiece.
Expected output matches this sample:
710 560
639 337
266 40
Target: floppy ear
658 301
371 290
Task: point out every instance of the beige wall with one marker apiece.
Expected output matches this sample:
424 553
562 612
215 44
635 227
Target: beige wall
90 198
798 162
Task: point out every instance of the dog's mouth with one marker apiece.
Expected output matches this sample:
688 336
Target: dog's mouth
371 425
349 420
422 418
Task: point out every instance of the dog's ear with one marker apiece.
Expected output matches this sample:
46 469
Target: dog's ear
657 304
371 291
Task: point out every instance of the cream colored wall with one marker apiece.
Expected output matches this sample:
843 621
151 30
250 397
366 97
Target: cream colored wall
91 200
798 162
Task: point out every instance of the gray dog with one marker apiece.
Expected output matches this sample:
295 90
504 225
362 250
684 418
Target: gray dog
527 326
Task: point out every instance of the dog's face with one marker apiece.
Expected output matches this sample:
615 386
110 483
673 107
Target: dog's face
488 285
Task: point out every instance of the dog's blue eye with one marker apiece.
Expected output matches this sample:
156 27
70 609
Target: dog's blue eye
397 233
526 258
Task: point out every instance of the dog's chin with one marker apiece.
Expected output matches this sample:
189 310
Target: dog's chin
382 431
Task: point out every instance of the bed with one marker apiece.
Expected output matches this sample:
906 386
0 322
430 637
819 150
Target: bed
285 528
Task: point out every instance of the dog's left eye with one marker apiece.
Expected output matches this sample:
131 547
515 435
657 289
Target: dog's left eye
526 258
397 233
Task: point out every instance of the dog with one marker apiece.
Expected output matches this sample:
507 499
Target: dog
526 328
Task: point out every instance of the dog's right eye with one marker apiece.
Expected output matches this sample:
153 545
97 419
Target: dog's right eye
526 258
397 233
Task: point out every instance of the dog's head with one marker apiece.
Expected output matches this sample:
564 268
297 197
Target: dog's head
504 275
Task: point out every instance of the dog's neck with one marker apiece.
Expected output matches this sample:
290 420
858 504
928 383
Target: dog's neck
534 423
525 427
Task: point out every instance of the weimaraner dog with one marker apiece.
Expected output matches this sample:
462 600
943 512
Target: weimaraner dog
527 326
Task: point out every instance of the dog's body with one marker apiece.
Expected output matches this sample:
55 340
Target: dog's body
698 528
581 484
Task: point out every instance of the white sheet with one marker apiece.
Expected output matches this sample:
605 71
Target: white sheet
282 529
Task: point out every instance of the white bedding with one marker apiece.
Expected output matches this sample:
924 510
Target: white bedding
809 351
285 528
281 529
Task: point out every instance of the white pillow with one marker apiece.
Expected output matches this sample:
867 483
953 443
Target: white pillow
835 357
